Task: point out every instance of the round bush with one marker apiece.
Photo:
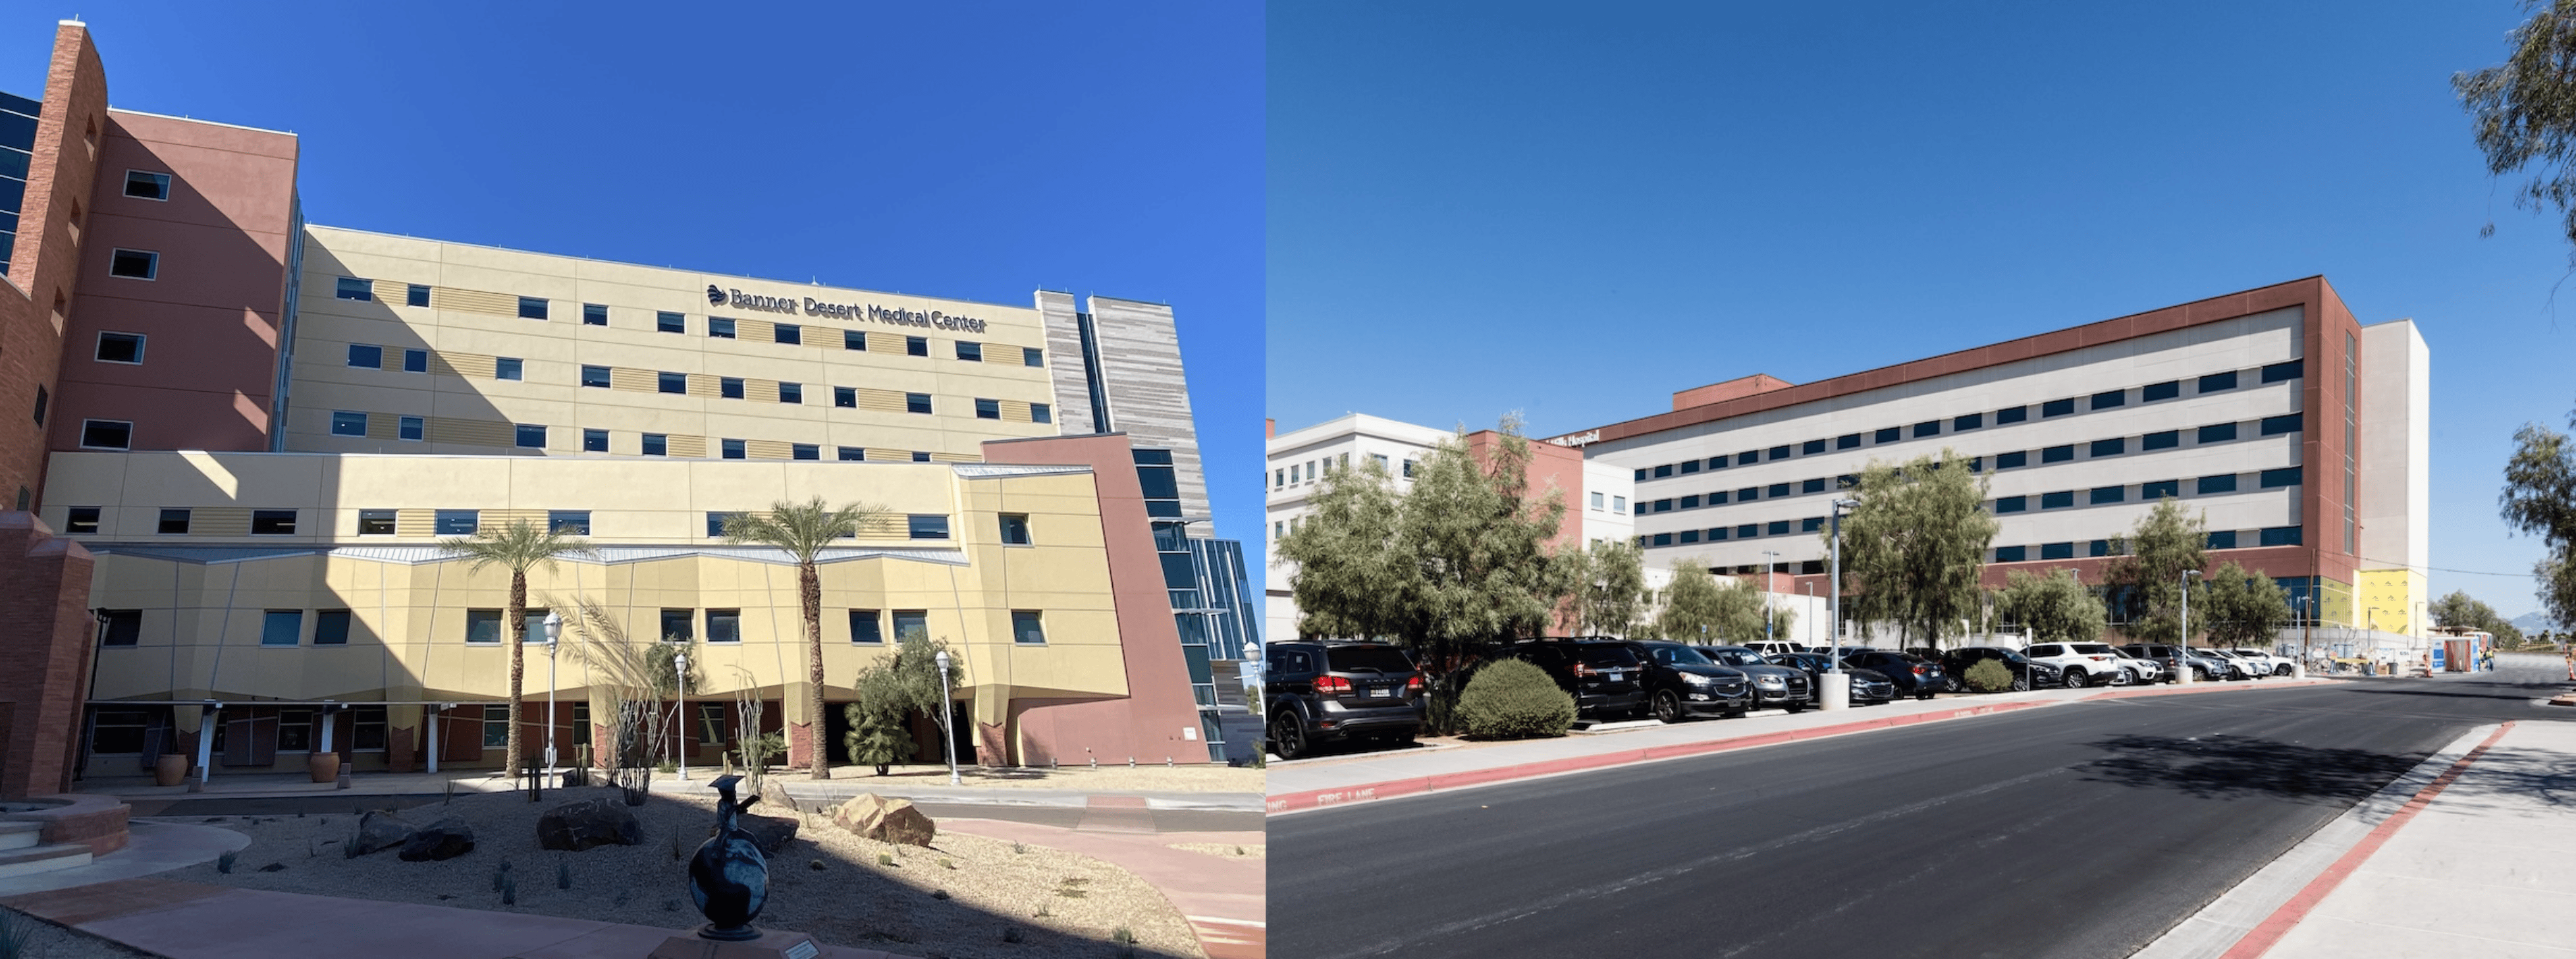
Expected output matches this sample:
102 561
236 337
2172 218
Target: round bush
1510 699
1990 676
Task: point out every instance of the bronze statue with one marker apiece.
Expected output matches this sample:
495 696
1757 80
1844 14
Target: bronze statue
729 877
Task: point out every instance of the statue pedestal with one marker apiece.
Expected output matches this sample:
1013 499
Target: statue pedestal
772 944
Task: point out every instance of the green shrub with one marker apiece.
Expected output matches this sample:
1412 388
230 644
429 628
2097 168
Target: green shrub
1510 699
1989 676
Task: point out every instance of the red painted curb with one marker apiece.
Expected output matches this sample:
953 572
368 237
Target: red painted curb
2269 932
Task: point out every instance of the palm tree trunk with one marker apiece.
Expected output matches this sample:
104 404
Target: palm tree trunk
518 637
809 588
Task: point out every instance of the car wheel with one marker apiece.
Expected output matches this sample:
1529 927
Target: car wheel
2021 684
1668 706
1289 736
2280 670
1795 708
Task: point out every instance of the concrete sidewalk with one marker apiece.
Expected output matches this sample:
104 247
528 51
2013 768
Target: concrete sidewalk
1302 786
299 785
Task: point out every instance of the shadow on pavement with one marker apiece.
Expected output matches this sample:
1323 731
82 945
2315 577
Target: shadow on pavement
2233 766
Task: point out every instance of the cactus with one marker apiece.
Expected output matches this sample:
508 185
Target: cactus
224 863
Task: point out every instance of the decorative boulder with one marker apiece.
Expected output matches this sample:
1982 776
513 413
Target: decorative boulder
575 826
444 839
379 831
885 820
772 833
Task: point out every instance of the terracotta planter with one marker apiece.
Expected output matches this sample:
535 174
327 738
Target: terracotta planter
170 769
325 767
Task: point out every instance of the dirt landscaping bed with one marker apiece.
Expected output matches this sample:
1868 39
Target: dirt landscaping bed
1106 779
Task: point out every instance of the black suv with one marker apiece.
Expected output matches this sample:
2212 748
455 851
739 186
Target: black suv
1869 687
1913 675
1680 682
1321 692
1774 686
2026 674
1607 678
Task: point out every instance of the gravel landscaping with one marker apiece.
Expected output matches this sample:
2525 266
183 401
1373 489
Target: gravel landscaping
48 941
967 897
1106 779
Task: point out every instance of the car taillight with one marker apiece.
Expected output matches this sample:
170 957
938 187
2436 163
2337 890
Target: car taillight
1918 670
1582 670
1332 684
1413 685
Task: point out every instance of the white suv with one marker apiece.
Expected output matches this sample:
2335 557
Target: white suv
2079 664
2263 662
2145 671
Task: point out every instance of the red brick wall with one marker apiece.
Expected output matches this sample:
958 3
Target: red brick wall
45 635
43 268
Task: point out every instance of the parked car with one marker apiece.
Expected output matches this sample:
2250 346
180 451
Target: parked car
2240 667
1912 675
2174 658
2026 674
1606 677
1774 687
2077 667
1324 692
1774 647
2139 670
1681 683
1869 687
2280 665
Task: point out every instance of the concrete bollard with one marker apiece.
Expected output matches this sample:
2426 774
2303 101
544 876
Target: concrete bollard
1836 690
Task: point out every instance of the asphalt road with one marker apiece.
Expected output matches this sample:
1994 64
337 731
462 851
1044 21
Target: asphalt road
2078 830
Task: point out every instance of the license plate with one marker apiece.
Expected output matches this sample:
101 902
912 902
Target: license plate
1614 675
1382 691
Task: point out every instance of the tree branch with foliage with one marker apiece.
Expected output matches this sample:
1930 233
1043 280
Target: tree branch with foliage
1915 547
2523 111
1612 598
1700 608
2056 607
516 546
2539 499
2164 543
2240 607
804 530
2460 611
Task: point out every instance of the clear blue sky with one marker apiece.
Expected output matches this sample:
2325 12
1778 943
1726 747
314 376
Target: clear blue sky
979 151
1574 210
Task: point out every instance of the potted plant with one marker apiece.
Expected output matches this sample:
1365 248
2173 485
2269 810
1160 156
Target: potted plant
169 769
325 767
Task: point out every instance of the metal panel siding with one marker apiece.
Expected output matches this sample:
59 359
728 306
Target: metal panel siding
760 391
634 380
475 365
219 521
702 386
1064 362
382 426
765 449
415 522
473 301
689 447
883 401
1149 400
449 429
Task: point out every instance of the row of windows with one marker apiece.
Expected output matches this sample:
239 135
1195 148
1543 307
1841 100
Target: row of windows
2100 495
372 357
465 522
2115 446
2221 539
2170 389
413 429
1309 471
331 627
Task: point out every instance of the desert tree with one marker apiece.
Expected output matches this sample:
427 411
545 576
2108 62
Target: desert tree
2055 607
517 546
803 530
1914 547
2240 607
2148 572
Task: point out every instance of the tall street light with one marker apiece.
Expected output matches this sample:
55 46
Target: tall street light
1837 691
554 629
2185 639
680 723
947 736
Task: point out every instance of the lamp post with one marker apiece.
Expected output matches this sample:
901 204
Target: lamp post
554 628
947 737
2185 639
680 723
1837 684
1810 590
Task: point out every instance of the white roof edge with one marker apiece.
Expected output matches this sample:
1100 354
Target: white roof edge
215 123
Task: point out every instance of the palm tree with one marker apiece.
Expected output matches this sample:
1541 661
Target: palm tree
803 530
517 545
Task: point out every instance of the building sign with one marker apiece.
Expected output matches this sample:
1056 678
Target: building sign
893 315
1578 439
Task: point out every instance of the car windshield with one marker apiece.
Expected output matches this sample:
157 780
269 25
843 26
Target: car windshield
1680 656
1606 655
1366 659
1735 657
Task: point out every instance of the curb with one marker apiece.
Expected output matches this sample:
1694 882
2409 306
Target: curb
1394 788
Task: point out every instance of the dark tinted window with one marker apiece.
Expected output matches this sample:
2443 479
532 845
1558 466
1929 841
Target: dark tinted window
2109 399
1888 435
2110 447
2222 539
2159 489
1812 447
2057 407
2012 504
2160 441
2057 454
2010 554
2012 460
2285 476
1930 428
2277 425
1748 457
1383 659
2160 391
1968 422
2217 433
1605 655
2284 371
2109 494
2218 381
2058 500
2012 414
1847 441
2221 483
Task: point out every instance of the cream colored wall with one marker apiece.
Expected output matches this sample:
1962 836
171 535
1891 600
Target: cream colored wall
472 319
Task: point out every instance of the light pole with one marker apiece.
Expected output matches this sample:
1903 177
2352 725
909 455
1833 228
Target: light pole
680 723
2184 640
1837 691
554 629
947 737
1810 590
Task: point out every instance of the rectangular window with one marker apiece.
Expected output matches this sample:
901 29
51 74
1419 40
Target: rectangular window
854 340
1816 485
496 727
970 352
96 434
927 526
2099 547
657 444
2057 550
845 397
134 264
124 628
2222 539
2277 425
272 522
1927 428
866 627
174 522
1032 356
2011 504
667 322
2160 441
2013 460
916 346
331 627
2217 433
1662 539
595 376
1689 536
1847 441
367 728
2160 391
532 308
729 387
2012 414
457 522
909 623
2110 447
791 393
346 423
375 522
1969 422
1663 471
2102 495
1748 531
1888 435
570 522
1717 498
1015 529
2221 483
482 625
2057 454
120 348
2159 489
1779 453
415 361
2285 476
1777 490
2058 500
410 428
679 625
724 625
1026 628
2111 398
531 436
850 454
1041 413
1748 457
1811 524
1688 502
920 456
1663 506
1776 528
2011 554
2291 370
916 402
720 327
507 368
147 185
416 294
2281 536
81 519
733 450
2216 382
672 383
787 333
594 314
1618 504
1809 448
282 627
988 409
1748 494
366 357
2057 408
1641 476
804 451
